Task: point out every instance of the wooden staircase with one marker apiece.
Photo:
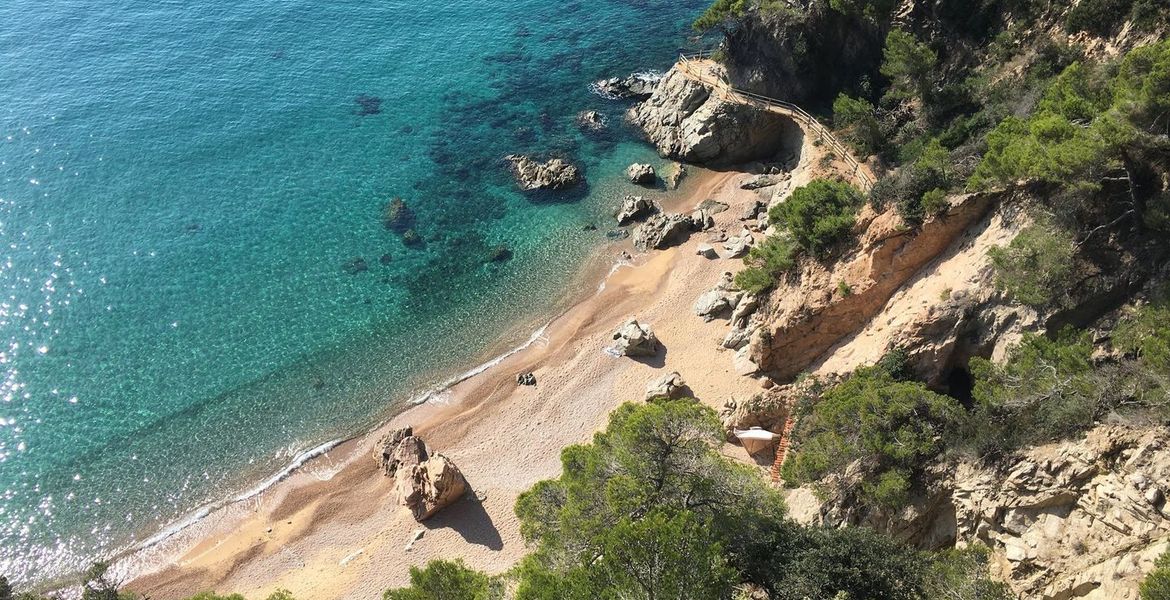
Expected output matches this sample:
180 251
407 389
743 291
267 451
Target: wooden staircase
782 447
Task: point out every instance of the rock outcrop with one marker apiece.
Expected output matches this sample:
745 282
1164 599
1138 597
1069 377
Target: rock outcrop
634 208
663 231
1076 519
590 120
635 339
638 86
685 121
671 385
806 317
641 174
385 448
428 487
424 484
553 174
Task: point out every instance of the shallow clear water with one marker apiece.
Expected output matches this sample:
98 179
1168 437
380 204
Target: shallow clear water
180 185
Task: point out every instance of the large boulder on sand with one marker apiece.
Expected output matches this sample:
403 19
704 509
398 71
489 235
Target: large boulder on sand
553 174
428 487
641 174
635 339
387 446
662 231
670 386
634 208
423 484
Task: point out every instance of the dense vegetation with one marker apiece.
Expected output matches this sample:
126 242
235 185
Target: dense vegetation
1157 584
651 510
814 220
891 427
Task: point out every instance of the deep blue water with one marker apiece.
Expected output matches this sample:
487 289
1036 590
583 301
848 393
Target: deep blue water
180 185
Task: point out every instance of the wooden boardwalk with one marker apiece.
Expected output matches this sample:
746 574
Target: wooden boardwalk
702 69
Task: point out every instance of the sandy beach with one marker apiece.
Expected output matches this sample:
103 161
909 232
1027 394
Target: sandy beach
335 530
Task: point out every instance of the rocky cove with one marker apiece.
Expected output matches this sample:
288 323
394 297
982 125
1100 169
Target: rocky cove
1084 516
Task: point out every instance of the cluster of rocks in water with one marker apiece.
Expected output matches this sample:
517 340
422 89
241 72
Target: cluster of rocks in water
639 86
424 482
552 174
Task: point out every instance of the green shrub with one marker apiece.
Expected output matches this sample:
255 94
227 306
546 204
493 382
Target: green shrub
754 280
874 10
934 202
444 579
909 64
1156 585
1045 390
1146 334
1036 268
893 427
1099 17
964 575
857 120
818 215
765 263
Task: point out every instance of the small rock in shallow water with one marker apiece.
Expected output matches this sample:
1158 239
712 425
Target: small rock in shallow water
368 105
355 265
641 174
411 238
385 259
590 120
397 216
500 253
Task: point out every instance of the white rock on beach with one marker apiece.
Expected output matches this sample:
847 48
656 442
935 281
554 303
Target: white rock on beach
635 339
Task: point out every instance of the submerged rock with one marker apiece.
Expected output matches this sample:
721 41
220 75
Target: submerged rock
500 253
368 105
355 265
635 339
385 259
411 237
590 120
641 174
634 208
553 174
397 216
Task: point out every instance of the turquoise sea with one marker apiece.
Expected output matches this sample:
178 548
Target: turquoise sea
181 184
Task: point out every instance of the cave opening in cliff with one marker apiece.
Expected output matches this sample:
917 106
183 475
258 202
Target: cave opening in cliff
959 385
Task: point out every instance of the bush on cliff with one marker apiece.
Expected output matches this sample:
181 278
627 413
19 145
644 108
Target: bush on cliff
1037 267
818 215
1047 389
858 122
910 65
1156 585
765 263
891 427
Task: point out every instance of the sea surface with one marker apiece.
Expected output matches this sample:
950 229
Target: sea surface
181 185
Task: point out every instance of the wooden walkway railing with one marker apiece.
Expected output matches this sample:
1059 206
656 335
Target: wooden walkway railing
692 67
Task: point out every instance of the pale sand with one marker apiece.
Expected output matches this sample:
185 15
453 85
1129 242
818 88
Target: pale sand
334 529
